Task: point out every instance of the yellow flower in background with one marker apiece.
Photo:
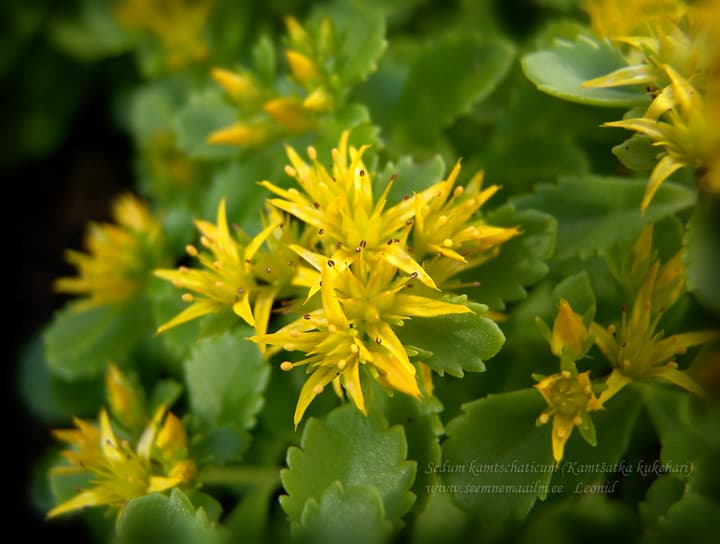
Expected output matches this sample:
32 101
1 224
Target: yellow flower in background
177 24
570 400
671 49
158 462
230 277
637 350
677 122
119 256
354 329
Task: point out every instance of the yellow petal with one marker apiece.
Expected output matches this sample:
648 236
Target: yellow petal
331 305
615 382
415 306
84 499
302 68
663 170
312 388
256 242
561 429
400 259
263 306
639 74
242 308
681 379
351 383
161 483
198 309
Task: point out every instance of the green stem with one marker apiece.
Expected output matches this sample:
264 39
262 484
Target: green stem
240 475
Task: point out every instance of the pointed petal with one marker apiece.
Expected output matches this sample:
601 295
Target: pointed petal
402 260
331 305
562 427
605 341
193 311
351 383
663 170
639 74
615 382
161 483
242 308
681 379
263 305
256 242
416 306
312 388
84 499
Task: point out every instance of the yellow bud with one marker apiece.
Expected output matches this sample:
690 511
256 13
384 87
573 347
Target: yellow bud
295 31
172 438
184 470
303 68
318 101
288 111
125 399
239 134
238 86
569 333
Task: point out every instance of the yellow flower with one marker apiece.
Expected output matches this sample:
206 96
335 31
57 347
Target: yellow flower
620 18
569 334
637 351
178 24
676 121
341 206
241 276
671 49
360 305
448 236
159 461
119 256
570 400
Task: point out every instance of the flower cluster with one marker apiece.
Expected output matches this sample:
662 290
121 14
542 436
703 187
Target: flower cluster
119 256
123 468
671 49
636 351
361 254
268 112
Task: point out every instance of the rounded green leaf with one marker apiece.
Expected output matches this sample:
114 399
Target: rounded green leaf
458 342
487 452
355 450
562 69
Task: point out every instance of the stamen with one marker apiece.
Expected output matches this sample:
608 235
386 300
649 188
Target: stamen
191 250
286 366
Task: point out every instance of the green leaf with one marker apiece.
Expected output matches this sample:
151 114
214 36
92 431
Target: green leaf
585 518
561 70
692 519
79 344
248 522
458 342
494 435
355 450
441 520
579 293
226 378
157 518
437 91
637 153
702 259
681 432
92 34
595 213
423 428
362 40
521 261
50 398
205 113
662 494
412 177
355 515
